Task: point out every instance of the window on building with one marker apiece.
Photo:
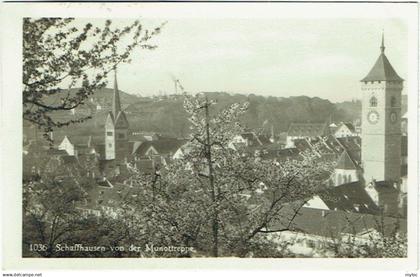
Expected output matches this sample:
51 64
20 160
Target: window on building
393 101
121 136
109 134
110 144
373 101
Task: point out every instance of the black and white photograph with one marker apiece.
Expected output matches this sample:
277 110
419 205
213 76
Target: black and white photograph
152 136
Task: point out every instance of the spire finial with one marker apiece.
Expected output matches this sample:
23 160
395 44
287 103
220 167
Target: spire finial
115 79
116 104
382 45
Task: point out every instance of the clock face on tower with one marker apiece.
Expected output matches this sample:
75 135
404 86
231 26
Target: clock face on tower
373 117
393 117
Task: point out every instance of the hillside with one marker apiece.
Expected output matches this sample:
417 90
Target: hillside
166 115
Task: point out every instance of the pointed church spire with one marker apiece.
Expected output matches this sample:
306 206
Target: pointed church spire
382 45
116 103
382 70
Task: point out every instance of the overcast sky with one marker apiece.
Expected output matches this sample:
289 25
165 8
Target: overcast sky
279 57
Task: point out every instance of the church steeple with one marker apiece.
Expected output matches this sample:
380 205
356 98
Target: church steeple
382 70
116 103
381 122
116 128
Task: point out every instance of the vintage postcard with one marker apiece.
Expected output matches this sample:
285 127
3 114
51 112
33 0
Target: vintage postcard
186 135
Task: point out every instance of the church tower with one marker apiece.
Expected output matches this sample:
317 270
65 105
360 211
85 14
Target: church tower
381 122
116 129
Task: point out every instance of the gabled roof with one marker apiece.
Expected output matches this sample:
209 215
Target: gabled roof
162 146
307 129
345 162
353 147
349 126
121 121
109 121
349 197
76 140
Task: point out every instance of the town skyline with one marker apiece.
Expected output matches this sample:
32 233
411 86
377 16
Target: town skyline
279 58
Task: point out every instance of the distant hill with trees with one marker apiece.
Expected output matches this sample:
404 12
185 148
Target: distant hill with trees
165 114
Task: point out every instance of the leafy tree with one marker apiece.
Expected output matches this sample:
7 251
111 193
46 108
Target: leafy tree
56 53
50 215
51 197
219 200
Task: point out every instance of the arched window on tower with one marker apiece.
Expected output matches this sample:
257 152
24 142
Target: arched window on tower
393 101
373 101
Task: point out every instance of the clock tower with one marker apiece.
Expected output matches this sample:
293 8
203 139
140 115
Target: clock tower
381 122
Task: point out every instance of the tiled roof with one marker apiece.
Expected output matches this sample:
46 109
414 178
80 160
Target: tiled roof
353 147
385 188
96 139
329 223
382 71
79 140
83 149
133 145
345 162
302 144
69 159
264 140
106 196
349 197
162 146
350 126
255 140
145 166
100 149
333 144
280 154
54 151
307 129
121 121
